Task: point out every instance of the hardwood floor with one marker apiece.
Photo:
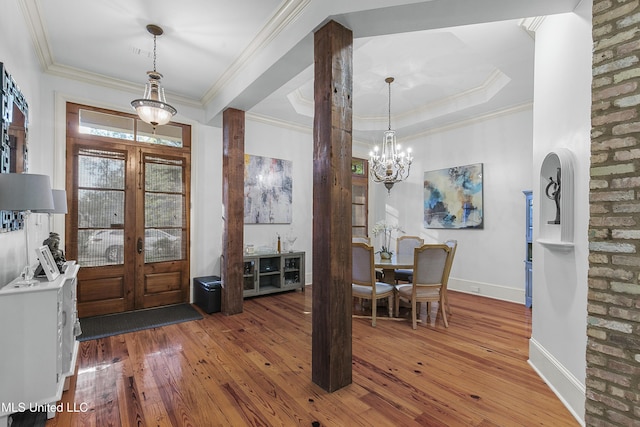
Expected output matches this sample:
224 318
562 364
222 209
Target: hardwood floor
254 369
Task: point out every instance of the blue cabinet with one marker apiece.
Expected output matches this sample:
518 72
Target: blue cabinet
528 294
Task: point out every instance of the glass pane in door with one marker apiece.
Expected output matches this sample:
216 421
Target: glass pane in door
359 194
101 190
164 200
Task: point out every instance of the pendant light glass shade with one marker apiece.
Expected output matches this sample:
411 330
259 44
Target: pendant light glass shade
153 107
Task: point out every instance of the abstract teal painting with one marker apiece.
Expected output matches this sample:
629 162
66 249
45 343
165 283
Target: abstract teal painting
453 197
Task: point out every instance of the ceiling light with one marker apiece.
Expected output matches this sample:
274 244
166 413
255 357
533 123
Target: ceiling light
153 108
391 165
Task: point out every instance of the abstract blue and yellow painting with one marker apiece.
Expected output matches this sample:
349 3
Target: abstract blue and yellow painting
453 197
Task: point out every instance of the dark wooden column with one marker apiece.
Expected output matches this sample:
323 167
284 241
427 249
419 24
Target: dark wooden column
331 341
233 200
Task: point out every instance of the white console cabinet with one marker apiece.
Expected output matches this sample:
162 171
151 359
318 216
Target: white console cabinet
39 351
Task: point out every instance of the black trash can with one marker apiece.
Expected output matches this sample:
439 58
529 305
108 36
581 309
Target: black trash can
207 292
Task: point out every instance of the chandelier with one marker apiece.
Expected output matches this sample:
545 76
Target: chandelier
390 165
153 108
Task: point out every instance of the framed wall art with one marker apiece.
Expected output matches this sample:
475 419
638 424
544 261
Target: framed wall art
268 190
453 197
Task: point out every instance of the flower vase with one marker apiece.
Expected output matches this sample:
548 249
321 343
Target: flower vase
385 255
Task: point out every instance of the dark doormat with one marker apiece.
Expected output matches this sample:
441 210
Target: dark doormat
131 321
28 418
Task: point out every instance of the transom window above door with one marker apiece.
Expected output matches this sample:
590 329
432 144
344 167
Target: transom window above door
115 126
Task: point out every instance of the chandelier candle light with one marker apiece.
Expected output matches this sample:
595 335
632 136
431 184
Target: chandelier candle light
153 108
391 165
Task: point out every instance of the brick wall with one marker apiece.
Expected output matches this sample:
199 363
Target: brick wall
613 349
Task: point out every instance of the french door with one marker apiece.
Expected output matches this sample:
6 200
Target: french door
128 223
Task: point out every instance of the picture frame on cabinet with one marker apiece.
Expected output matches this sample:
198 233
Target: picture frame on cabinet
48 263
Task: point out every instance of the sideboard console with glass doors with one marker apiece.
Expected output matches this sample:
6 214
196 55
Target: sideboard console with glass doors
273 272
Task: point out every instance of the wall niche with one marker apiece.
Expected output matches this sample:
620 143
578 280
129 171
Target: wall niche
556 200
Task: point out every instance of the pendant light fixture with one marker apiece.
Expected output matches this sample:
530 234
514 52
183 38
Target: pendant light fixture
391 165
153 108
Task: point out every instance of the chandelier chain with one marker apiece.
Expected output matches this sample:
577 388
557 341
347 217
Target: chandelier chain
389 105
154 53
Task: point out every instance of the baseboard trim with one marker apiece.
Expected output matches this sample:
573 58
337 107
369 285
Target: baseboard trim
487 290
563 383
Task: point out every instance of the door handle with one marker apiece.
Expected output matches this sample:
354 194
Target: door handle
140 245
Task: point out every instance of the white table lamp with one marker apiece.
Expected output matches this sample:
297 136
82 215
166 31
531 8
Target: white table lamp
59 203
26 193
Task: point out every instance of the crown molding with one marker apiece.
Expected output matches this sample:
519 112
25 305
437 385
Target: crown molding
35 24
288 11
468 98
260 118
477 119
531 25
33 18
267 120
97 79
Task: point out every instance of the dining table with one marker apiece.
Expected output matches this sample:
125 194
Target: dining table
389 265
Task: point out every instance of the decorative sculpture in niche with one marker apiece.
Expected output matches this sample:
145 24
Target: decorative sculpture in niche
552 191
14 118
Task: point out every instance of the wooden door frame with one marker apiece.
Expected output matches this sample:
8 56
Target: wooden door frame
160 272
73 138
363 180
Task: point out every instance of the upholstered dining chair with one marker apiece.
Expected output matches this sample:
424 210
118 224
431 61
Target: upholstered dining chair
453 244
364 284
405 246
431 264
360 239
367 240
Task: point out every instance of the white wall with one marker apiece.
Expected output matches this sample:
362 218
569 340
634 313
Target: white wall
206 205
489 261
46 96
562 106
561 119
288 144
16 52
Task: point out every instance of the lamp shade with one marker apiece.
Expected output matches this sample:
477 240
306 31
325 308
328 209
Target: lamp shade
25 192
59 203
